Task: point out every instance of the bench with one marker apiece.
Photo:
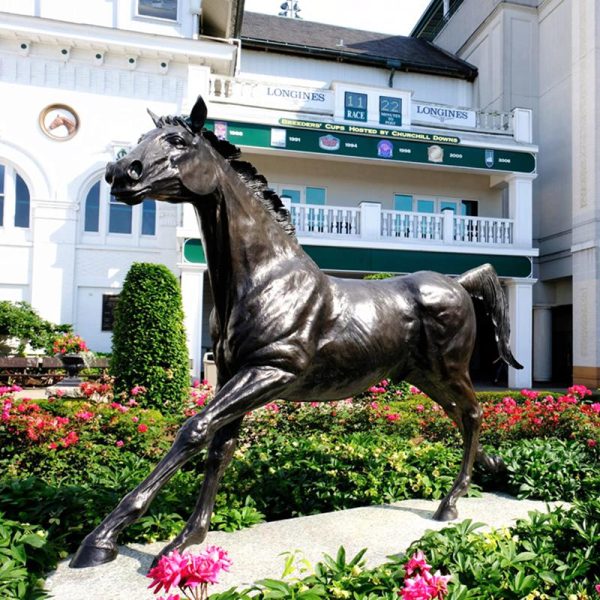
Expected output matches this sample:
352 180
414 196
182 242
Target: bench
42 371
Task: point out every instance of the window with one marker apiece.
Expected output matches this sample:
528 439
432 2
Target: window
149 217
92 209
103 214
15 199
408 203
119 217
161 9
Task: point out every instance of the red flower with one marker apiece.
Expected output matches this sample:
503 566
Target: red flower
142 428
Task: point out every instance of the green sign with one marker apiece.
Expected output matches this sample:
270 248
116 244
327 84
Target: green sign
374 131
390 111
328 141
355 106
379 260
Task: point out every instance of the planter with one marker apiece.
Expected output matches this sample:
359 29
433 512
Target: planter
73 363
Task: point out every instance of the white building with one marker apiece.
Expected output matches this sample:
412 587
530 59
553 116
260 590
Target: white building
377 143
543 55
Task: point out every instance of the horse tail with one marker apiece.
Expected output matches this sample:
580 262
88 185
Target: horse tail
483 284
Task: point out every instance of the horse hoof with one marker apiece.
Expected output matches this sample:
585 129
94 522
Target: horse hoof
445 513
92 556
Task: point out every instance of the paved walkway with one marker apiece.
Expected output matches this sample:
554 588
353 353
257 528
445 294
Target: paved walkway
256 552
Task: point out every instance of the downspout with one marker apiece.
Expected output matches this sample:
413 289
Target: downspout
393 66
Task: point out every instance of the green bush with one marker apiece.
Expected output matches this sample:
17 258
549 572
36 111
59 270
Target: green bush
25 556
149 344
19 320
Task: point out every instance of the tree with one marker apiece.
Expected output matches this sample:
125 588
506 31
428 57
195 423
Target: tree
149 346
20 321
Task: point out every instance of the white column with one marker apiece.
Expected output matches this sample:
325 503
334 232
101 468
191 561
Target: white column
192 293
520 208
370 220
542 343
448 226
54 232
520 300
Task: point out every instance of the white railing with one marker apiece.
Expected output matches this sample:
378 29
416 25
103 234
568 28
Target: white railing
326 221
400 225
481 230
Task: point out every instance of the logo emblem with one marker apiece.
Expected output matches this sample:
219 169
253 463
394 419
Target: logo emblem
385 149
489 158
435 154
329 142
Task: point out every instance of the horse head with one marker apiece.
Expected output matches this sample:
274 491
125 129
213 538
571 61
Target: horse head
172 162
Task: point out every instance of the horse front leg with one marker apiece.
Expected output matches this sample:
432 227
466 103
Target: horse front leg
244 392
219 456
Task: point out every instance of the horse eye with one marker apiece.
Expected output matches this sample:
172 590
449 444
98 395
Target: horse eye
177 141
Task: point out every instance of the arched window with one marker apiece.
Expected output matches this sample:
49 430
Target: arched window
105 215
15 199
149 217
22 203
92 209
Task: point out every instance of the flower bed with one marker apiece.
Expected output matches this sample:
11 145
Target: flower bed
391 443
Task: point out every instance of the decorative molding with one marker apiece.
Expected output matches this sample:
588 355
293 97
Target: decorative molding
89 78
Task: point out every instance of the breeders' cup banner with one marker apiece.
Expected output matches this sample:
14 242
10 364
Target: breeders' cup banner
443 115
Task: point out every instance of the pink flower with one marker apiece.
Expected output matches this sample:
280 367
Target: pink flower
119 443
135 419
138 389
595 407
392 416
188 570
419 408
417 562
414 390
592 443
142 428
167 573
170 597
598 588
85 415
272 407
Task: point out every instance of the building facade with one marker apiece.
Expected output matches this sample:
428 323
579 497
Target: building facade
543 55
377 144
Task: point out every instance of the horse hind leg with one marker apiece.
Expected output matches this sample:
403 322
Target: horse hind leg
458 399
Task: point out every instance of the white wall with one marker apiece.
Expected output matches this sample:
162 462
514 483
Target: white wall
444 90
122 14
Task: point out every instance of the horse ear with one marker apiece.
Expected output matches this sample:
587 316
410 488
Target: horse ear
155 118
198 115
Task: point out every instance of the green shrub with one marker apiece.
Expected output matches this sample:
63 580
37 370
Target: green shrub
25 556
19 320
149 344
551 469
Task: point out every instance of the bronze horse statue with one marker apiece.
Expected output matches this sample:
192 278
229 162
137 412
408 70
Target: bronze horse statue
282 329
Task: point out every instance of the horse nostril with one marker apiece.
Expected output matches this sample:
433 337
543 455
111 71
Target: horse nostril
135 170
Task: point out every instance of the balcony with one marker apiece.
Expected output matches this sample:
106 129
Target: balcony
369 223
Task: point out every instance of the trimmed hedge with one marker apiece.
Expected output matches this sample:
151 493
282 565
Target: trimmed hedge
149 344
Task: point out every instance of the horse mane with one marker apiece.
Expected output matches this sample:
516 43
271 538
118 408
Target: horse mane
256 183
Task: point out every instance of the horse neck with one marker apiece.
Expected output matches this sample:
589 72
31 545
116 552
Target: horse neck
240 238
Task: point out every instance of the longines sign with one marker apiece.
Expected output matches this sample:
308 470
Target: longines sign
443 115
288 97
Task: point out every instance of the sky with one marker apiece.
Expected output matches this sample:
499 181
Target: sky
384 16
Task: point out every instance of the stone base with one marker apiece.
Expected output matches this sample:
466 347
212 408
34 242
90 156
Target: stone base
64 391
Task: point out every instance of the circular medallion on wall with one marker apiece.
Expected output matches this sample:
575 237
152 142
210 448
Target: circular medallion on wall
59 122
